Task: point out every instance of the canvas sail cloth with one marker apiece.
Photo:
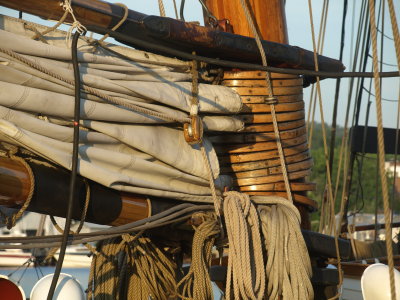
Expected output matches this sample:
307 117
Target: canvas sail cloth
119 148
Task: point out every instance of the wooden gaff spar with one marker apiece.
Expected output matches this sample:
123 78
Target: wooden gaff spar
106 206
189 37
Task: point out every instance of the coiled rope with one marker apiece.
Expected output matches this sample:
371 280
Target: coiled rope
131 267
246 274
288 267
197 283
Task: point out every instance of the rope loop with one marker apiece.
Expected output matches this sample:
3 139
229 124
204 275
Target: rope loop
66 5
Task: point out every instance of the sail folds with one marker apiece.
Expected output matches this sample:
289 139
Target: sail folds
119 147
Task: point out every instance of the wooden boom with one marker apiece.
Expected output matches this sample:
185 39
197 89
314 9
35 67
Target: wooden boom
189 37
106 206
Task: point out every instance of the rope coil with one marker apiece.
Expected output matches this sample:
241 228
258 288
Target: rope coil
245 273
197 283
288 266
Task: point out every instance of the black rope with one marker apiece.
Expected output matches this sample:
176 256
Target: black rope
349 176
231 64
384 99
74 168
172 215
182 8
337 90
382 62
386 36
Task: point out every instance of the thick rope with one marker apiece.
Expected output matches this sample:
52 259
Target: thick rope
271 99
122 21
288 267
176 10
197 283
75 24
395 29
94 91
131 267
246 274
381 149
162 8
51 29
54 250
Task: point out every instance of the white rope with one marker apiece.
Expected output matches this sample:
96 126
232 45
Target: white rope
75 24
288 267
245 262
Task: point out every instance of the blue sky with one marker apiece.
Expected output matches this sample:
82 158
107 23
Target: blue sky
299 30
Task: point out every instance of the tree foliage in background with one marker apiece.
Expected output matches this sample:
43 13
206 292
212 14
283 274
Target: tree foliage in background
365 192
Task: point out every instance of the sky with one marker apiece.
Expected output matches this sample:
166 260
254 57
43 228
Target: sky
299 30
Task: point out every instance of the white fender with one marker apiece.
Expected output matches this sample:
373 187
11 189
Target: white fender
375 283
68 288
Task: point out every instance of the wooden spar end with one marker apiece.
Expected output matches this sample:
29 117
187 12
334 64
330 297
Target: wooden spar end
106 206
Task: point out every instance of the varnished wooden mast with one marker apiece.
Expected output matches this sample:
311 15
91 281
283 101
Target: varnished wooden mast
270 19
268 14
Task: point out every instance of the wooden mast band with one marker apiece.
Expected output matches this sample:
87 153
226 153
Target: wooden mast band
261 82
271 178
248 157
281 98
269 127
260 164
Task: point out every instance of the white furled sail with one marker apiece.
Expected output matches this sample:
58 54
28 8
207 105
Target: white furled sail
119 147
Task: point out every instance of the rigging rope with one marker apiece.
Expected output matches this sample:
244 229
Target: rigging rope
381 147
271 100
74 163
313 96
122 21
332 225
161 8
53 251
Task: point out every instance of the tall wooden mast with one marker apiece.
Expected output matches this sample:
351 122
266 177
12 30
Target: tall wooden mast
268 14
